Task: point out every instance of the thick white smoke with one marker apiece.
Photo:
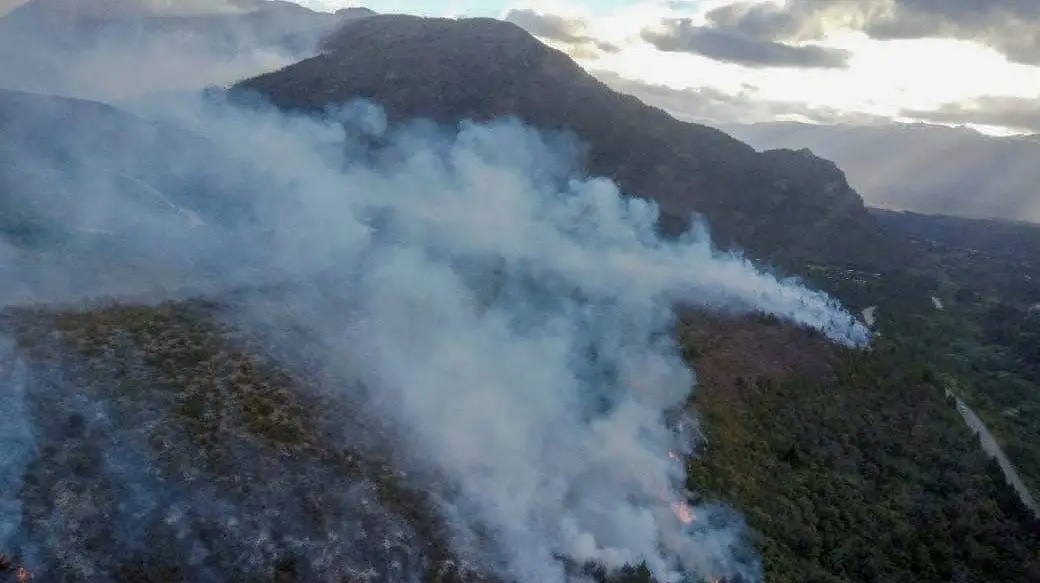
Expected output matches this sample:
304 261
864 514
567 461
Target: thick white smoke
513 320
510 318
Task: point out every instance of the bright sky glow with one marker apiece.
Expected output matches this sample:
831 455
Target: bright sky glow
883 77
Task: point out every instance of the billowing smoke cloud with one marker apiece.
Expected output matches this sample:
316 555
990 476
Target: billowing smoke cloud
509 318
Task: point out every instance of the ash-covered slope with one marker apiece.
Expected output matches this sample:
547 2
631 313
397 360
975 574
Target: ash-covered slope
168 444
779 209
159 444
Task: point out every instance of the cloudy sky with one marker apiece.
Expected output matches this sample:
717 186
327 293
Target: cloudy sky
971 62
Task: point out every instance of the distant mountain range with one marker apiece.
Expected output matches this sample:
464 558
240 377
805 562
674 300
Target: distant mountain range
922 168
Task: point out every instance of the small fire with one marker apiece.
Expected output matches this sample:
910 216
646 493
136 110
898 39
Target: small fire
682 509
684 512
22 574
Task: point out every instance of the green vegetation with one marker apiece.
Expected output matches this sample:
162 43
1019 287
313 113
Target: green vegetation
867 476
869 473
985 340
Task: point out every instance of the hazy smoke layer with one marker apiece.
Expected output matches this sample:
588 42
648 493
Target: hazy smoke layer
117 50
513 319
510 318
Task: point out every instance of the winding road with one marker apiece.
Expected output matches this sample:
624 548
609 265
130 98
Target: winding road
992 447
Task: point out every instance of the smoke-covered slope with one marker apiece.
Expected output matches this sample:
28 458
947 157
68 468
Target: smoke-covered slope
79 178
156 445
505 318
449 70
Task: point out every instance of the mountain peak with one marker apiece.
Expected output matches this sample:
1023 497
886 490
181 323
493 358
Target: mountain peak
355 12
443 51
449 70
413 30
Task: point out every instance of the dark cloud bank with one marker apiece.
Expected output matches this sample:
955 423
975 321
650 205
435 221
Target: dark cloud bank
734 46
1006 25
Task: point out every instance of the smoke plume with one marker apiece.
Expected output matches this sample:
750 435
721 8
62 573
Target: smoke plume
508 317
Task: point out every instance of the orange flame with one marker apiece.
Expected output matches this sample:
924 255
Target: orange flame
684 512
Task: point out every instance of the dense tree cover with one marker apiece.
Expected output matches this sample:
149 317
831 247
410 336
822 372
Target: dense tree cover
867 476
995 366
870 474
983 256
984 340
